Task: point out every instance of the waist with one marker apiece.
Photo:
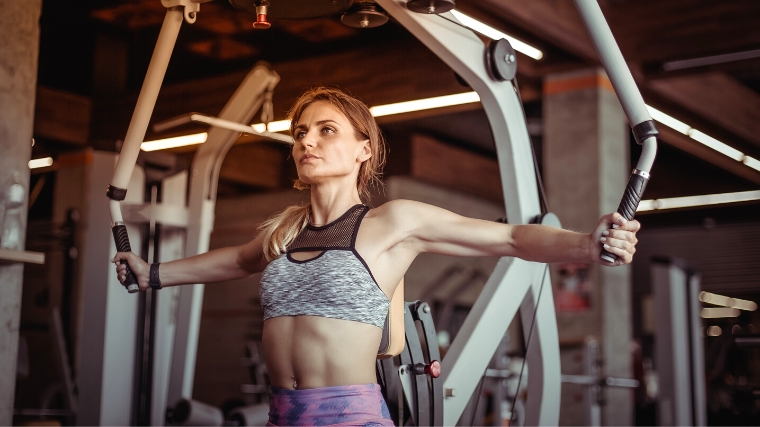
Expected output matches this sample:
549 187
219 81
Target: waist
319 352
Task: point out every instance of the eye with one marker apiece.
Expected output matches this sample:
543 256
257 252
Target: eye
299 134
328 129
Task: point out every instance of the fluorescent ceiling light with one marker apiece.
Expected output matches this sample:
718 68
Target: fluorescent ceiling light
704 200
669 121
703 138
278 126
284 125
179 141
716 145
717 312
40 163
740 304
495 34
425 104
752 162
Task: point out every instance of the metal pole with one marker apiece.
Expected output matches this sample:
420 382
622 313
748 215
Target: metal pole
146 101
633 104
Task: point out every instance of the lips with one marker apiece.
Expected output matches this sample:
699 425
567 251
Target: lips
307 157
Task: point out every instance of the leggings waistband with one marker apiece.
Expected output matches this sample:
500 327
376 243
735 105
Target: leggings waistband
355 405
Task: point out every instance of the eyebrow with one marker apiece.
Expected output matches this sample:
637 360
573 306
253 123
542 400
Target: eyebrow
319 123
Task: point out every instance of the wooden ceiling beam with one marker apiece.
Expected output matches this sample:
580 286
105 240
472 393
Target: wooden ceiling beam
684 29
717 97
555 21
379 77
62 116
684 143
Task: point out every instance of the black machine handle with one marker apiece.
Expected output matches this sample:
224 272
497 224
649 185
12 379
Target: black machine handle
629 203
121 238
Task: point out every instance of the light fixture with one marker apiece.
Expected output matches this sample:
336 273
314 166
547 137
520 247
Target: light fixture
703 138
40 163
425 104
740 304
752 162
714 331
669 121
704 200
278 126
495 34
718 312
178 141
716 145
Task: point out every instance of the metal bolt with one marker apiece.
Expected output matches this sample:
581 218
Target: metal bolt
450 392
510 58
191 15
426 308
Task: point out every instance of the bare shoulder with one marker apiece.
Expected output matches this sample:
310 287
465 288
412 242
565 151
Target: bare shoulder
397 210
403 215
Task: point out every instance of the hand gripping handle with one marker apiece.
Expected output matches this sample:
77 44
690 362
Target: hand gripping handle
629 203
121 238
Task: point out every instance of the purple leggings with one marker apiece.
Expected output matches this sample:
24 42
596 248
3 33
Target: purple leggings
350 405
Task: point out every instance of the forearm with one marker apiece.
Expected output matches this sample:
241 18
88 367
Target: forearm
213 266
549 244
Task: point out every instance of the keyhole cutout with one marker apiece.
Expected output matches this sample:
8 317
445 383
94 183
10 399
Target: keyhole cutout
305 255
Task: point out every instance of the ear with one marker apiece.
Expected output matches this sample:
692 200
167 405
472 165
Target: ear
366 151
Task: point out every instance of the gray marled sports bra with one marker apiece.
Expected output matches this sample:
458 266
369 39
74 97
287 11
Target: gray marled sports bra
337 283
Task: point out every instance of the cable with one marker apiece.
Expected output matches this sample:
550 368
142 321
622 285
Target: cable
544 201
527 345
480 393
544 209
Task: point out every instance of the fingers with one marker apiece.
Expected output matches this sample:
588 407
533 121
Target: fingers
619 222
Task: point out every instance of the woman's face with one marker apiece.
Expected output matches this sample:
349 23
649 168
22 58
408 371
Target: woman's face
325 145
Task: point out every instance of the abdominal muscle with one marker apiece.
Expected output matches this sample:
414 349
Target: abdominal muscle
311 352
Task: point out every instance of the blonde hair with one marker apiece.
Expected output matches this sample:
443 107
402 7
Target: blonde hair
280 229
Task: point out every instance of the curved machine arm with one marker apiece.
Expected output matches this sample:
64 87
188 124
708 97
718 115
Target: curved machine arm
643 126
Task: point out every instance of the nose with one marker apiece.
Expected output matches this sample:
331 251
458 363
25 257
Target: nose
308 140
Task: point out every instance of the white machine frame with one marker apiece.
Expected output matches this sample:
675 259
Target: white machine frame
514 285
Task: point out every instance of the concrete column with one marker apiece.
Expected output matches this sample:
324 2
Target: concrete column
19 38
586 165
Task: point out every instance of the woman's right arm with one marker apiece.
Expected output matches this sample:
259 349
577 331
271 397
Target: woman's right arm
214 266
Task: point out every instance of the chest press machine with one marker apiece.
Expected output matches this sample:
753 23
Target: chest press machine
514 285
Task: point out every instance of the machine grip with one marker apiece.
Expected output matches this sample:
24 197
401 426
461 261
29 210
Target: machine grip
629 203
121 238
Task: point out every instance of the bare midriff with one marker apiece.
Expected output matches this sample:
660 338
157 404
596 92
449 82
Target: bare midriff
311 352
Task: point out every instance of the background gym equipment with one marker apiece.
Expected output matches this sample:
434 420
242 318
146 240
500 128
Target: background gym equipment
514 284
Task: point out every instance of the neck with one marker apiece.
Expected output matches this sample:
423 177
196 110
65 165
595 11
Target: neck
330 201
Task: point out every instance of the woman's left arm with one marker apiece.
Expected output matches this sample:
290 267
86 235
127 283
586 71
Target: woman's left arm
428 228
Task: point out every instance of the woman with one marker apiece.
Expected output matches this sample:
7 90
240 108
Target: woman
330 267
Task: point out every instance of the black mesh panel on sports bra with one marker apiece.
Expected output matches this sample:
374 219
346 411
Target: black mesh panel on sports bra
339 234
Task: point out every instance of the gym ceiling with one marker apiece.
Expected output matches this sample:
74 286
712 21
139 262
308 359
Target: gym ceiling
94 53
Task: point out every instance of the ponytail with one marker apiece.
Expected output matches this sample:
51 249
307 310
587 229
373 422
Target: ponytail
280 229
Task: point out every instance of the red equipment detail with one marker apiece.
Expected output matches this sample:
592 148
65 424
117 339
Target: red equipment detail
261 18
433 369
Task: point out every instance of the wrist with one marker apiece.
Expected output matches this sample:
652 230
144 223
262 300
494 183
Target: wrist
589 249
154 279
